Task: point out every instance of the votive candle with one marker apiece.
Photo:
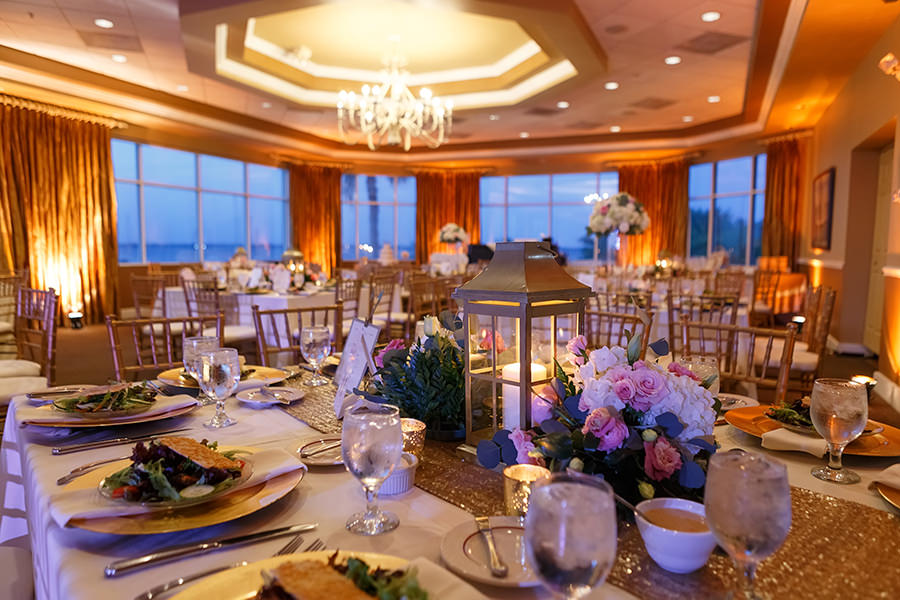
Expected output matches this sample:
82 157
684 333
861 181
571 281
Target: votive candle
413 436
518 481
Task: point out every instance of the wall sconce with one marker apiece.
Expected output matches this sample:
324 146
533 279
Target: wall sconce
895 196
800 321
75 318
890 65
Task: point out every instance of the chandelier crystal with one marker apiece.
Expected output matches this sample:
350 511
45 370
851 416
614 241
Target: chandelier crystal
389 113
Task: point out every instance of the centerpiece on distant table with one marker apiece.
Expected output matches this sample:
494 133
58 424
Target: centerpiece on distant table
620 214
451 233
645 429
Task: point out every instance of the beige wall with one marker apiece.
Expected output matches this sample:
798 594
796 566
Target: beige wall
861 120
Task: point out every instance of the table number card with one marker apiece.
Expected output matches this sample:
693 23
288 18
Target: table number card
355 359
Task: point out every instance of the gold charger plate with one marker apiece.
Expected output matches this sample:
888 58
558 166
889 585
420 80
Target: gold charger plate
173 376
220 509
244 582
890 495
140 417
753 420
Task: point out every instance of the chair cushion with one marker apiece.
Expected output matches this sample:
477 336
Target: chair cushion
5 327
13 386
233 333
761 307
803 360
158 329
14 367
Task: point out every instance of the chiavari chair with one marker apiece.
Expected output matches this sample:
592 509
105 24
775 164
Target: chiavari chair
203 299
765 290
381 301
278 331
34 367
605 328
708 308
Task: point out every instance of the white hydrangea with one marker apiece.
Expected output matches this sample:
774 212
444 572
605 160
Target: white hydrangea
617 213
690 402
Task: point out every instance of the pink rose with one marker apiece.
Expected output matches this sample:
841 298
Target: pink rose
522 441
609 430
577 346
488 342
541 410
625 389
649 385
604 209
682 371
661 459
396 344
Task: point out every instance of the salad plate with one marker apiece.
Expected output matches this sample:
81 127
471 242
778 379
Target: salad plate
753 421
732 401
322 452
465 553
46 416
268 375
106 401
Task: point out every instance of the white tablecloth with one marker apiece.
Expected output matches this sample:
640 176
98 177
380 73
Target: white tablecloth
68 563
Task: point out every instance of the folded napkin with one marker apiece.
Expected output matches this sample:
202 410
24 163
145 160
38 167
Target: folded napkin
255 277
89 504
441 583
890 476
782 439
41 415
281 281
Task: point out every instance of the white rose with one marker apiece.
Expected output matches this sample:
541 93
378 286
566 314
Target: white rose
598 393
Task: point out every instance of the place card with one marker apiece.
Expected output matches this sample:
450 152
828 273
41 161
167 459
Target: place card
355 359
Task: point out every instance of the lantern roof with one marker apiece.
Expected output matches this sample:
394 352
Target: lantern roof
523 272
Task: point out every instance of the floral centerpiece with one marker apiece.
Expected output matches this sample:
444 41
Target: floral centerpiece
451 233
645 428
620 213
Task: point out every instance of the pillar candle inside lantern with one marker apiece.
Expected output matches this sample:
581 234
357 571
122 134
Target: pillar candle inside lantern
511 392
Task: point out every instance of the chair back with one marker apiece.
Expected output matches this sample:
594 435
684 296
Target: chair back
729 282
382 288
144 347
745 354
765 288
201 295
623 301
278 331
349 293
35 328
818 340
605 328
9 291
423 300
707 308
148 292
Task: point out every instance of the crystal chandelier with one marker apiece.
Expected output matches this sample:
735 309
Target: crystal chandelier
389 113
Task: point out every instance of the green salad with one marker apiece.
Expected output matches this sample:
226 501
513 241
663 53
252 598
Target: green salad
105 399
380 583
794 413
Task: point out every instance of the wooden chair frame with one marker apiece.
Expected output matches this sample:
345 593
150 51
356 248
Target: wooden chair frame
703 308
765 291
276 335
605 328
623 301
35 329
349 293
146 290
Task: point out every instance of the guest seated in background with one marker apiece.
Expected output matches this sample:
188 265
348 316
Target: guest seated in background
479 253
560 257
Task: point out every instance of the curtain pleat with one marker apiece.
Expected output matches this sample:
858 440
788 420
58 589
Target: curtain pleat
785 170
58 207
662 187
315 201
445 197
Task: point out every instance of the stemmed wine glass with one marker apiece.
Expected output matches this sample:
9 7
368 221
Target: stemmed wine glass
190 350
371 445
703 367
570 558
219 374
315 345
839 410
748 508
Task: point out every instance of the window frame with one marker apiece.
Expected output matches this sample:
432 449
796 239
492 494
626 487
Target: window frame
395 205
199 244
753 193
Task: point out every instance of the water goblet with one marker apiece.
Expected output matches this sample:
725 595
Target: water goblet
748 508
569 558
220 372
315 345
371 445
839 410
703 367
190 349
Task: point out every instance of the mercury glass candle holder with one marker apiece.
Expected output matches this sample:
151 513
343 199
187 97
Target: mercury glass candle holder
413 436
518 481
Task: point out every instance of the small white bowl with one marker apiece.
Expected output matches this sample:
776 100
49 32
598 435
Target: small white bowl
675 551
403 478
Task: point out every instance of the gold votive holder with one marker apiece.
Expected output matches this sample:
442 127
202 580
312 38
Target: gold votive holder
413 436
518 481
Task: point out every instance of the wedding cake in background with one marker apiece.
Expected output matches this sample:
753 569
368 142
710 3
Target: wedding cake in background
386 256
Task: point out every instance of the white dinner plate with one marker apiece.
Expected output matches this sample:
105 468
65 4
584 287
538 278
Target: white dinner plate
257 399
325 458
465 552
732 401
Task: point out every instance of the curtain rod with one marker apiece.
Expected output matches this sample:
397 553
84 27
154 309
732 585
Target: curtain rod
60 111
476 170
291 160
790 135
653 161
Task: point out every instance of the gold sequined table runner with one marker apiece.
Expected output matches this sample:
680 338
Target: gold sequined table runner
836 548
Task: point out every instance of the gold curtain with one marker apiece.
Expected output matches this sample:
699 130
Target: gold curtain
662 187
445 197
58 208
315 199
785 170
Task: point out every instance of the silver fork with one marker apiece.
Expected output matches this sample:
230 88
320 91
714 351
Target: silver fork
317 544
159 590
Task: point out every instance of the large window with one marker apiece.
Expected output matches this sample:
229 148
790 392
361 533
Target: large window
176 206
727 201
533 207
378 210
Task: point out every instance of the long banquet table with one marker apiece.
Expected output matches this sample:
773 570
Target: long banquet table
68 563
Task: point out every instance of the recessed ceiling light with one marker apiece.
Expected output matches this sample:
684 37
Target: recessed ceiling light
181 88
267 105
562 104
104 23
687 118
494 117
524 134
710 16
713 99
119 58
615 129
611 85
673 60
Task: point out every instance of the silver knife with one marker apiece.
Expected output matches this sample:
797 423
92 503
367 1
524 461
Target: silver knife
165 587
498 569
120 567
53 393
59 450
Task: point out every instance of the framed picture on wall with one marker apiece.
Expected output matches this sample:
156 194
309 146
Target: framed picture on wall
822 206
